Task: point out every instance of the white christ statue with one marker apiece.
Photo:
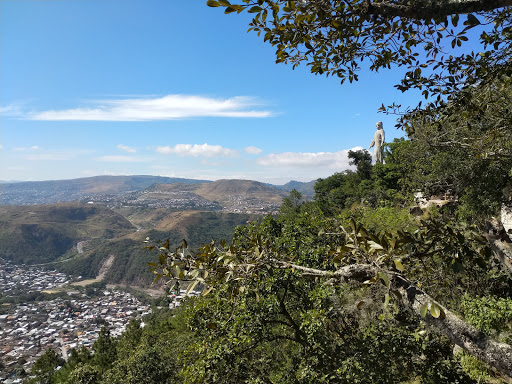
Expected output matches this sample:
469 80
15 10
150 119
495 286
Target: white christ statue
378 142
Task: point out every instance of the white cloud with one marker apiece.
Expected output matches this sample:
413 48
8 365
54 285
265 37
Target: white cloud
253 150
330 160
13 110
24 149
122 159
126 148
197 150
168 107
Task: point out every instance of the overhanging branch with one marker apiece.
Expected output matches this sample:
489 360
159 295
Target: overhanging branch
475 342
424 10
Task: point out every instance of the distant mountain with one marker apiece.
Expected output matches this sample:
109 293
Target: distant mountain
104 188
53 191
240 196
306 188
228 191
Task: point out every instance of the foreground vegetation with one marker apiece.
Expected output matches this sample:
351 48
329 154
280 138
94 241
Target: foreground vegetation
344 289
350 288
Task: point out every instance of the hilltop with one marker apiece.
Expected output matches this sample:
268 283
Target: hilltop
228 195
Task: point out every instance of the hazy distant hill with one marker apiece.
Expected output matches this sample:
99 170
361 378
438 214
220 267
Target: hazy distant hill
224 191
47 192
307 189
53 191
234 194
42 233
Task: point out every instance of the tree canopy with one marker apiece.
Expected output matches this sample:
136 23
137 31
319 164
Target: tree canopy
321 274
429 38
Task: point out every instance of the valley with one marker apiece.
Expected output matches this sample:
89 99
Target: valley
62 243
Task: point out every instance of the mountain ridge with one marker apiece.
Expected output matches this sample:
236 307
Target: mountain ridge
80 189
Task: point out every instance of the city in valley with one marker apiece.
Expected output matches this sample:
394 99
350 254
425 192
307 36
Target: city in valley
27 330
72 257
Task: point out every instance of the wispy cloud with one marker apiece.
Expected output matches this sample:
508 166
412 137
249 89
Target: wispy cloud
170 107
253 150
122 159
126 148
26 149
332 160
197 150
13 110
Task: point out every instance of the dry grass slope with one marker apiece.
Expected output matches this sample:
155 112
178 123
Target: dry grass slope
221 190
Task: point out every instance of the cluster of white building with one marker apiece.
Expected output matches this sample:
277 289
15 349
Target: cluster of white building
251 205
25 279
30 329
27 330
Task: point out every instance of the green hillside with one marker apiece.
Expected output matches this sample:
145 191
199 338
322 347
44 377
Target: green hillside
129 264
42 233
224 190
50 234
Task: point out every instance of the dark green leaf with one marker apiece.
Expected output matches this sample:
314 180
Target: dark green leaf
472 20
212 325
255 9
384 277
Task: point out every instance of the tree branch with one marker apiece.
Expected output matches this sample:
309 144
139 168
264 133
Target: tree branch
299 335
500 244
424 10
268 340
475 342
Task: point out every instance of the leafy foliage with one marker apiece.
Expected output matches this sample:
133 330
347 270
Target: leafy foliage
492 315
336 37
466 149
143 354
374 186
263 292
44 368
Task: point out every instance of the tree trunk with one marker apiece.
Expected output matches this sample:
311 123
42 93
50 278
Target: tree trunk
500 244
475 342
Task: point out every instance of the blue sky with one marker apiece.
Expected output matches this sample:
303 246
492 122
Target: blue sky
171 88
